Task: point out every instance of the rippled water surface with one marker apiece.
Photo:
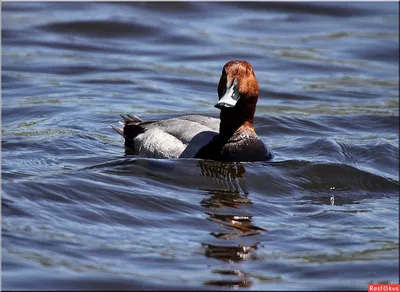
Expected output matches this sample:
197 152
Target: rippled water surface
80 213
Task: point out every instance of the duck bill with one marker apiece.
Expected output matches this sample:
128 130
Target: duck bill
230 97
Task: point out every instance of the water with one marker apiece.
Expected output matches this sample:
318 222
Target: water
78 213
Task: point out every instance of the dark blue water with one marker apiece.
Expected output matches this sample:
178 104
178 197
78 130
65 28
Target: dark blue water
78 213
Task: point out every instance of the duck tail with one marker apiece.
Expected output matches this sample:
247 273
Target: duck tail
129 128
128 120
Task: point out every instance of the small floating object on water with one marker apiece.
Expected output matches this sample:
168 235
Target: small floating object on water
332 200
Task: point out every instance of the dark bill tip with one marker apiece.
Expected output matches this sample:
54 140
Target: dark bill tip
222 105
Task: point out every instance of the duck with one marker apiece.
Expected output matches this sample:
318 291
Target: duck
232 137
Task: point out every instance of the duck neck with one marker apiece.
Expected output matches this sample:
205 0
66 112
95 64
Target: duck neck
234 118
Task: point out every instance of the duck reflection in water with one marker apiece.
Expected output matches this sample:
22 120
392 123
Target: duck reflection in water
223 202
231 190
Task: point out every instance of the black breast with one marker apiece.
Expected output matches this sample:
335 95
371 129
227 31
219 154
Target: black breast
249 149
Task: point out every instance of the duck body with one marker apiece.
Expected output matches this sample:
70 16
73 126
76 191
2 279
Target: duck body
191 136
230 138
